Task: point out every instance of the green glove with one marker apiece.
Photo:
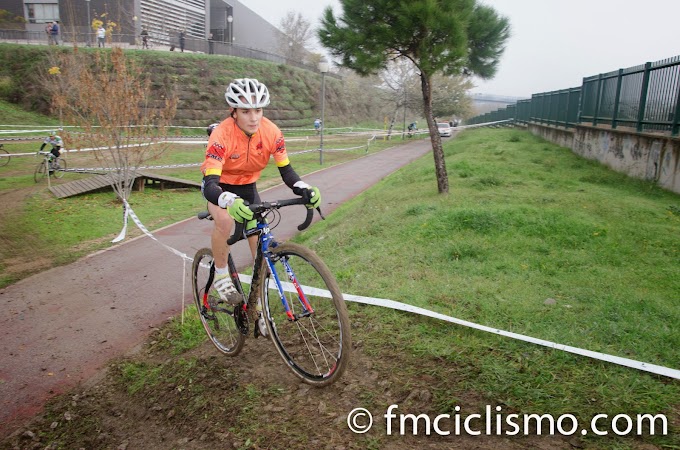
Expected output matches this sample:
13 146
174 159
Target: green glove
313 196
240 211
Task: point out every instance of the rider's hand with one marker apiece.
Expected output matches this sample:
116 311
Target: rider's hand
239 211
309 193
226 199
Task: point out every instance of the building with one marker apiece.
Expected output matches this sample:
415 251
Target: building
229 21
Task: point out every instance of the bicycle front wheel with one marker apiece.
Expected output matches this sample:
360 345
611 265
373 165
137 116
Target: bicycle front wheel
5 159
217 317
40 172
309 325
59 166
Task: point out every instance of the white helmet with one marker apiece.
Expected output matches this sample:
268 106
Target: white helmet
247 93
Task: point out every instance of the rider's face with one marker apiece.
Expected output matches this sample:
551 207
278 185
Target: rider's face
248 119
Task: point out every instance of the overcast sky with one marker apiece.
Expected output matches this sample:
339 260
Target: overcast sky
554 43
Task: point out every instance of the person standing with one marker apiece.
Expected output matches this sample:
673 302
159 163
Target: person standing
211 44
145 38
55 32
48 32
182 40
101 36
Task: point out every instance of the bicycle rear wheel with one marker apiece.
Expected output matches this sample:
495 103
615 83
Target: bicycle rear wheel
40 172
217 317
5 159
59 166
316 345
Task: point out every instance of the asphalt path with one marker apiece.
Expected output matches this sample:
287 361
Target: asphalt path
61 327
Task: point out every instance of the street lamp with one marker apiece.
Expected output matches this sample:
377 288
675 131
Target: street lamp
323 68
89 23
230 33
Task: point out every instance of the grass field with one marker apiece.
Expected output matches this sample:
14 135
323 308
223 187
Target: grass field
531 239
64 230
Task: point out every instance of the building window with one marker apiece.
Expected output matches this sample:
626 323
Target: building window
42 12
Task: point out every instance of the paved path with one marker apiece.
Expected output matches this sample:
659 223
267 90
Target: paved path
60 327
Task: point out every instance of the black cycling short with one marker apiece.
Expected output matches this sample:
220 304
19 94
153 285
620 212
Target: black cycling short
247 192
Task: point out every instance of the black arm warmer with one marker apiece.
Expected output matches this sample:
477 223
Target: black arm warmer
42 146
289 176
211 188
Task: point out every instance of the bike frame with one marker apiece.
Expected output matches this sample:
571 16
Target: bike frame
264 242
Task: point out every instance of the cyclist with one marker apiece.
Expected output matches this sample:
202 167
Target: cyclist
238 149
211 127
412 128
57 143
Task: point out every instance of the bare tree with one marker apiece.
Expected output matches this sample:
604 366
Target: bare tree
298 34
109 98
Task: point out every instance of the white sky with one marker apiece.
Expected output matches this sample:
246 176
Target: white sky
554 43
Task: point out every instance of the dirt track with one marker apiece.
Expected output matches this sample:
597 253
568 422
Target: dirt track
61 327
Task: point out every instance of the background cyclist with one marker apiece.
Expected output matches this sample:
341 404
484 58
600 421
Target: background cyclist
238 149
57 143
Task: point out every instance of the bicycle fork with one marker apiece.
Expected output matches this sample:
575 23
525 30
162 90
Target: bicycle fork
307 308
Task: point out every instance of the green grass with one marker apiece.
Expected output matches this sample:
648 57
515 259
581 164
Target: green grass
525 221
88 222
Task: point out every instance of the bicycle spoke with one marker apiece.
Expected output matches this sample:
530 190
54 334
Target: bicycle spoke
315 345
216 316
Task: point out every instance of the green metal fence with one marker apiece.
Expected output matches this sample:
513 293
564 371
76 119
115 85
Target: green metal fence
645 98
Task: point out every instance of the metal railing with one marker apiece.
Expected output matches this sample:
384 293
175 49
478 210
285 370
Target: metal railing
645 98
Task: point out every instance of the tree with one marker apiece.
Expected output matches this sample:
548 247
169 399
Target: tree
451 37
109 98
449 96
298 32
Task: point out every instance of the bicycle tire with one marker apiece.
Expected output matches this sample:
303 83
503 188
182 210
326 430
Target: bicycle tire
219 319
40 172
60 163
315 347
5 159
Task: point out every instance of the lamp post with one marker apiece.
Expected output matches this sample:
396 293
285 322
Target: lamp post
323 68
230 33
89 23
403 131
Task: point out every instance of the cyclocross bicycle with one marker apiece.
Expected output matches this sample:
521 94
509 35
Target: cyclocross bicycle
49 167
302 306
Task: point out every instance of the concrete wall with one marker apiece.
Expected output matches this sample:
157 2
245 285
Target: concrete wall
646 156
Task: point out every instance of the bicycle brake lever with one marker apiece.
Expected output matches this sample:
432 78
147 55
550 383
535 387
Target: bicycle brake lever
320 213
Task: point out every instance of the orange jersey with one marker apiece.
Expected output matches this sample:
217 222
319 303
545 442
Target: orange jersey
238 158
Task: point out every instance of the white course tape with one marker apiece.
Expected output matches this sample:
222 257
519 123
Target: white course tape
653 368
129 212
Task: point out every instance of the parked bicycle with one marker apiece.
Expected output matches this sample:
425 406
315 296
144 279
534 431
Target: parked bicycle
309 327
4 160
49 167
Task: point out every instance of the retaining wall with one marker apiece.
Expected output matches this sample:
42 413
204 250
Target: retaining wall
641 155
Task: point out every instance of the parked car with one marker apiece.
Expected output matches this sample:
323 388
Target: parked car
444 129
